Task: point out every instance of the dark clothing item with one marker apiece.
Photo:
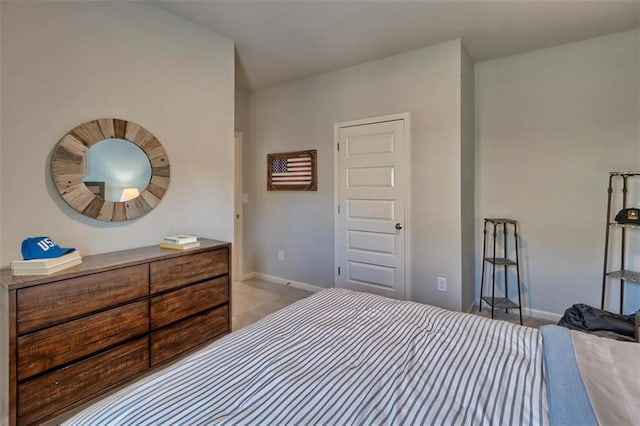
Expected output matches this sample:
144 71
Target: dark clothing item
593 320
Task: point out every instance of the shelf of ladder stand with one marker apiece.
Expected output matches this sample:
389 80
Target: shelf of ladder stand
626 275
500 261
500 302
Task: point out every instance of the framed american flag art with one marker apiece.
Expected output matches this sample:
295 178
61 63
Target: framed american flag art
292 171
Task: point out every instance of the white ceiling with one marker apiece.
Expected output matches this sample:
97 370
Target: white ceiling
280 41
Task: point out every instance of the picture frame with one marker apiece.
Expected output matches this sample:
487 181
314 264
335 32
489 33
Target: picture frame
96 187
292 171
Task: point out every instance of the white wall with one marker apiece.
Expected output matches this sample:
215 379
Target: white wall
300 115
66 63
70 62
550 125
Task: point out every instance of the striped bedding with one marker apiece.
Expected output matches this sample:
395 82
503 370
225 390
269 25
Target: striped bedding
341 357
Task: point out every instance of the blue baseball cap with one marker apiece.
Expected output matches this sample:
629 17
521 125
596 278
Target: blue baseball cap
42 248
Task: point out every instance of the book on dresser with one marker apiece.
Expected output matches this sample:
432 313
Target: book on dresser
46 266
180 239
173 246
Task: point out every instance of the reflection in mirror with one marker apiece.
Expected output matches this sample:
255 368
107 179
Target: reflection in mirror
121 165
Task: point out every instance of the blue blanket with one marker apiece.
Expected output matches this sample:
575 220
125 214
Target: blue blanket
568 400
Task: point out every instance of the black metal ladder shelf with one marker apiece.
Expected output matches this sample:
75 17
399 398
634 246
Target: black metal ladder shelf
493 301
623 274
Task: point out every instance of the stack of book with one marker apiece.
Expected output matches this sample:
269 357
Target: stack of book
45 266
180 242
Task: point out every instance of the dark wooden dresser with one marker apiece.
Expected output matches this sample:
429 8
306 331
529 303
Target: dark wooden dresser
83 331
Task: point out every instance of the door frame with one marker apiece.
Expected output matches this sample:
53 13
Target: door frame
406 163
238 224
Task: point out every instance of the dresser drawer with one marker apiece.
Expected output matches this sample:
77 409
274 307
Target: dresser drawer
57 345
52 392
48 304
171 273
178 304
187 334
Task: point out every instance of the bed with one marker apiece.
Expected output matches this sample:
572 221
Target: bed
343 357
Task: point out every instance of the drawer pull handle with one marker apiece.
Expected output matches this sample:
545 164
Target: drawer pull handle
57 383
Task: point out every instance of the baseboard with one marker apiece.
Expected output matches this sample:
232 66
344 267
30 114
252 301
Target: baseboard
283 281
246 276
472 307
528 312
535 313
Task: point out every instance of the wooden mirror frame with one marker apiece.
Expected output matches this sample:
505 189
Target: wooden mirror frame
68 164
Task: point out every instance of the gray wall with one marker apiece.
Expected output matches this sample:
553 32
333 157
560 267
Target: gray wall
4 302
242 109
467 169
300 115
67 63
550 125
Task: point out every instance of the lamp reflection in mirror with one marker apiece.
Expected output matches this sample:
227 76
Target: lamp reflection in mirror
129 194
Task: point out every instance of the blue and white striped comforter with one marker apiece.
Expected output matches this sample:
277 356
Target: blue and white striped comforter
341 357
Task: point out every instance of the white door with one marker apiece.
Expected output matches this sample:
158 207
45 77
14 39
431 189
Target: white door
236 259
372 185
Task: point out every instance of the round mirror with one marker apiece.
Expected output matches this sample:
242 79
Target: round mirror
110 170
122 166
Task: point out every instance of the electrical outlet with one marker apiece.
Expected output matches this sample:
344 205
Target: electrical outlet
442 284
280 254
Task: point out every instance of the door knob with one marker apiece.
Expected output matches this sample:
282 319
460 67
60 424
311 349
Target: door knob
398 226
